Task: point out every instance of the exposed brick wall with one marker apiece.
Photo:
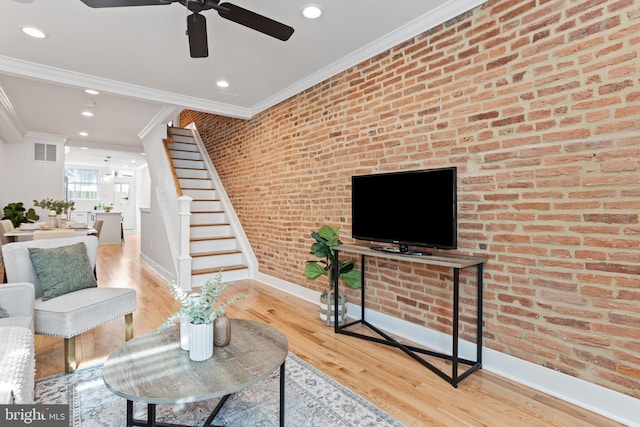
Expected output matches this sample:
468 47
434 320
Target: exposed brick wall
537 103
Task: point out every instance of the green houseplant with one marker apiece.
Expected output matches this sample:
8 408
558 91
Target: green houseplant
326 238
18 214
59 206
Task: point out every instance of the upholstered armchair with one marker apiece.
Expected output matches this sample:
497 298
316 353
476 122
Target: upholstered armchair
67 298
17 363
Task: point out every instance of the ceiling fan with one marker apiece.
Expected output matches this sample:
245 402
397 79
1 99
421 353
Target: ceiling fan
197 23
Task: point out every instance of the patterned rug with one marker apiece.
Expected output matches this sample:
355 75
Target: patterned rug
311 399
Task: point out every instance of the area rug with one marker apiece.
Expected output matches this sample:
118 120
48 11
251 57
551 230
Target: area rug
311 399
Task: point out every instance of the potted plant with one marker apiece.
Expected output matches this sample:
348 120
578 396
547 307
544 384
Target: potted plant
326 238
16 213
60 206
199 312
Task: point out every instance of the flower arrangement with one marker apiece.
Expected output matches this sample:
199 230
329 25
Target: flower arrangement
204 308
54 205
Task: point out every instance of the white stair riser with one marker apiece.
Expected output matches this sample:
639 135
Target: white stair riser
185 155
195 183
197 194
208 218
210 231
189 164
215 261
227 276
186 139
192 173
212 245
205 206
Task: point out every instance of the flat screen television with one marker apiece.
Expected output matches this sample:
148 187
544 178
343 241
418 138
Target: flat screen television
417 208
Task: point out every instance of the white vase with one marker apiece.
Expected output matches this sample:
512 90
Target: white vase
327 309
200 341
184 332
184 327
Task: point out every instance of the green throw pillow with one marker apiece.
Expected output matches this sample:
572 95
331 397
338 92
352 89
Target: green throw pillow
62 270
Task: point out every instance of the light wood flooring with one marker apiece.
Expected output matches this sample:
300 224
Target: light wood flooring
383 375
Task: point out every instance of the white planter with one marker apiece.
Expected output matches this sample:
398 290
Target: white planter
327 310
200 341
184 332
184 327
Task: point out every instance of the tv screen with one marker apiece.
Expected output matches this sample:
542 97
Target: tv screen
406 208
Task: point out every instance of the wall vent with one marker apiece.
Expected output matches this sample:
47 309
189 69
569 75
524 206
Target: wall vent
44 152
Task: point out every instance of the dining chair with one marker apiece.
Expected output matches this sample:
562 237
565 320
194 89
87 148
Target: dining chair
5 226
77 306
98 227
52 234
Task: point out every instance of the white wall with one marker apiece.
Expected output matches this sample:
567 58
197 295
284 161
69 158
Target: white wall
26 179
154 244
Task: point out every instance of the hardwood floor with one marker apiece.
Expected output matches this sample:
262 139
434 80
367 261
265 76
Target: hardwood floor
383 375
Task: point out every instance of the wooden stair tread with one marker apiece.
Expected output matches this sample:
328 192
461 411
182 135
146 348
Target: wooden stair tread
210 225
216 253
206 212
204 239
218 269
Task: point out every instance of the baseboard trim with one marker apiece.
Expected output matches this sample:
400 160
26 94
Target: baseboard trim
600 400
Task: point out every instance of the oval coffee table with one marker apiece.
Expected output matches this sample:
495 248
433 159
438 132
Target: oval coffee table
153 369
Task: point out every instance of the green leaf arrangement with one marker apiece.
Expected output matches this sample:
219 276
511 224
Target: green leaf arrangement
202 308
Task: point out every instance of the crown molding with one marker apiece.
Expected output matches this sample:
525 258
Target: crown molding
442 14
32 70
12 129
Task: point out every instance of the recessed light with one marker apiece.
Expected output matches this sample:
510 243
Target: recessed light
34 32
312 11
87 113
83 134
92 92
222 83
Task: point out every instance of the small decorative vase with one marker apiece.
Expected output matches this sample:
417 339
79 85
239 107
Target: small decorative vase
222 331
327 309
200 341
53 219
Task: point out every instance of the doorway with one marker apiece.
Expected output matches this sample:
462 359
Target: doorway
124 200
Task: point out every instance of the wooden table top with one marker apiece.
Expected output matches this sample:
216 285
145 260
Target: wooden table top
152 368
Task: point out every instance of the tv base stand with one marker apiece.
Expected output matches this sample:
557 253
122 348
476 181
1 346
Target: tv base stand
455 262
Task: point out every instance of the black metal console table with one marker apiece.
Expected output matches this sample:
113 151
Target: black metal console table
456 262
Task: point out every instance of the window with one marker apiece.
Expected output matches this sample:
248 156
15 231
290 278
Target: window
82 183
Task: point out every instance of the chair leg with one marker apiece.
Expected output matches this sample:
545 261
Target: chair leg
70 354
128 326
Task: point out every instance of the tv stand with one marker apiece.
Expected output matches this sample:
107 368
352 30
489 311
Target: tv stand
457 263
400 251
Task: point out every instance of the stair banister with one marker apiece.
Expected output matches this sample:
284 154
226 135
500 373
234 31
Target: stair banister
176 212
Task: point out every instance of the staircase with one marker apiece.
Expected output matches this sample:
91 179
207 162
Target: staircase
213 246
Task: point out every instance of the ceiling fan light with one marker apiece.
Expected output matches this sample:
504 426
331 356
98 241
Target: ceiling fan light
312 11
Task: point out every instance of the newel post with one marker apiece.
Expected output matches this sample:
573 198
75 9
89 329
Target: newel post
184 237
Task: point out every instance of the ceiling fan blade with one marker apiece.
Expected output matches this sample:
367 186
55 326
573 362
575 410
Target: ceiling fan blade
257 22
197 32
124 3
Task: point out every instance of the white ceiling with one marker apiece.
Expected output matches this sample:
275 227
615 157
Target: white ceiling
138 58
